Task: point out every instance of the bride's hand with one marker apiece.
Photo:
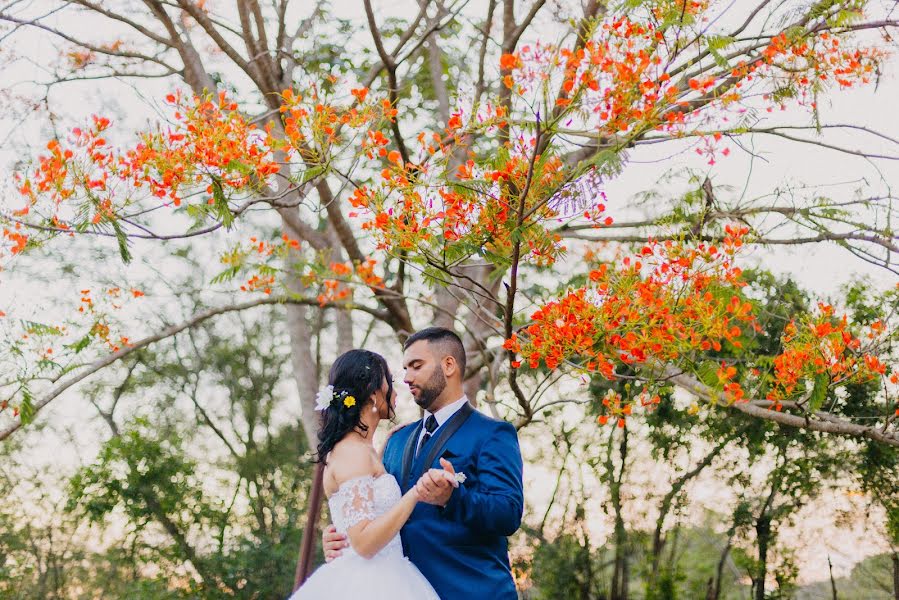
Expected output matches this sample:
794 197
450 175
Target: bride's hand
333 543
436 485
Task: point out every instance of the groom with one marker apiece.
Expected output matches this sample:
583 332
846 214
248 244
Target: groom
456 536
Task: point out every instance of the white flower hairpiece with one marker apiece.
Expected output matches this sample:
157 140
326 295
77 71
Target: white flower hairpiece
324 397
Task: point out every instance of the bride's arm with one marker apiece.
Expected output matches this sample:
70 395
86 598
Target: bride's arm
368 534
368 537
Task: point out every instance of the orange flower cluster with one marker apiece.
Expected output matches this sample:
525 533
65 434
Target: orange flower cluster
807 61
98 312
366 272
670 302
312 126
479 208
259 283
337 278
733 391
211 140
615 406
17 241
618 76
617 82
822 347
259 259
210 147
333 291
85 163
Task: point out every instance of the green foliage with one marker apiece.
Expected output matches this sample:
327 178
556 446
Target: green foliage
819 392
200 503
567 567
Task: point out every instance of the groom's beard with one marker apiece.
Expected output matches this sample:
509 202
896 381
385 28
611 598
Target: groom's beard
431 389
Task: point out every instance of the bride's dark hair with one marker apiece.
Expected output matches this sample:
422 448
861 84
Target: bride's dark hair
357 373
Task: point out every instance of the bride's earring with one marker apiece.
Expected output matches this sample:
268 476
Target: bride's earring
374 408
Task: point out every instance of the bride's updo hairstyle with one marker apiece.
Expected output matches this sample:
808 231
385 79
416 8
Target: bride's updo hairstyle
353 378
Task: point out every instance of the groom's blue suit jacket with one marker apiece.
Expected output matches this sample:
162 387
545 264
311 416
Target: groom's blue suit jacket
462 548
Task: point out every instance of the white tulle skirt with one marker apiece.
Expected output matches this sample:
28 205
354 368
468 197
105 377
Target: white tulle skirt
388 576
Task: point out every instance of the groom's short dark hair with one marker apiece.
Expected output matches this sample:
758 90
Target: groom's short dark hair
448 340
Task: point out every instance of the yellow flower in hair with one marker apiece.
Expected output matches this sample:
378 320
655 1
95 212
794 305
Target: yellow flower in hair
349 401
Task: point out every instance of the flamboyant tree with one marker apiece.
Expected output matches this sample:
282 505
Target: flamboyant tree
398 202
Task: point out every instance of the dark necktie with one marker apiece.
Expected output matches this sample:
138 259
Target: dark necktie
430 426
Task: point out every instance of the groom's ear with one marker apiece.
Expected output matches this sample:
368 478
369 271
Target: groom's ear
450 366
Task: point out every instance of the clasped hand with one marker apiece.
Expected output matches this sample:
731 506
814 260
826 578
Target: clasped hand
436 485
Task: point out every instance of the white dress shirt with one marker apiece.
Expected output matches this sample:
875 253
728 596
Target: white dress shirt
443 415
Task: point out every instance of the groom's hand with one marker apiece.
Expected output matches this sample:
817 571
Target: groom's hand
333 543
434 487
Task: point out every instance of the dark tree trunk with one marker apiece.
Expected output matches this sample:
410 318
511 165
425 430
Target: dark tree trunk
313 510
763 533
720 571
587 583
833 584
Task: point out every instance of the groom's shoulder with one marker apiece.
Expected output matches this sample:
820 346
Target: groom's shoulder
490 423
406 428
402 431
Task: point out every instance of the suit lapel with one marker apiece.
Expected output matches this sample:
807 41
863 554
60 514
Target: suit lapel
408 453
443 435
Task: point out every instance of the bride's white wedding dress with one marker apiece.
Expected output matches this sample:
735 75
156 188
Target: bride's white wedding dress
388 575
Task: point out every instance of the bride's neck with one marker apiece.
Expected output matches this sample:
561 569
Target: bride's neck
372 423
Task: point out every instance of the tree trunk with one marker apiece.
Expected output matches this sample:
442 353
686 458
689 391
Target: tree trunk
479 325
305 375
310 532
833 584
343 319
343 323
896 575
586 591
720 570
763 533
303 361
620 571
658 537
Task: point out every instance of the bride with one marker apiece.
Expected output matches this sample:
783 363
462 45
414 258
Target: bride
364 500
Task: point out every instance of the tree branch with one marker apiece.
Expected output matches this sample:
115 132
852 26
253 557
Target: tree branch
389 64
98 8
831 425
168 332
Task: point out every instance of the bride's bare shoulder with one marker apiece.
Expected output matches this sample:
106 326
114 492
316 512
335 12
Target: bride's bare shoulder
350 459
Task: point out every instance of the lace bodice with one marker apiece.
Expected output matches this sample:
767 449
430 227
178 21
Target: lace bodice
365 498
